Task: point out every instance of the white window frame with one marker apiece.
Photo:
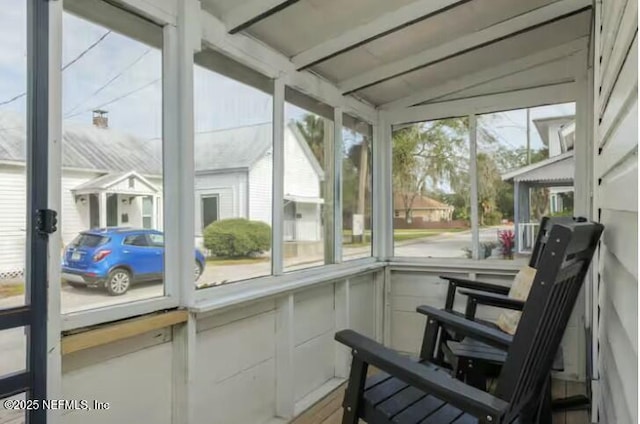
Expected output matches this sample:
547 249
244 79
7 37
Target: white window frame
172 163
180 41
472 107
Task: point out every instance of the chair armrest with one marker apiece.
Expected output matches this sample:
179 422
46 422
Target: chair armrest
455 282
437 383
492 299
465 327
476 285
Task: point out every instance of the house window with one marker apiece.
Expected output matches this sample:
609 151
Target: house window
233 108
210 210
112 109
147 212
431 177
357 187
308 139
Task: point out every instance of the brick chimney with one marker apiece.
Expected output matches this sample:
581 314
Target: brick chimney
101 118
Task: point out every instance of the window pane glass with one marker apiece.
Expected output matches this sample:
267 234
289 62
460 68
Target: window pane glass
111 159
525 172
432 189
308 138
209 210
234 167
13 176
357 185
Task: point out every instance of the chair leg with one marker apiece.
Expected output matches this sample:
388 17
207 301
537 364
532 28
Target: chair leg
355 391
429 341
545 414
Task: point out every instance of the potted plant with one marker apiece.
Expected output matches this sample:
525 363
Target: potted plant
507 243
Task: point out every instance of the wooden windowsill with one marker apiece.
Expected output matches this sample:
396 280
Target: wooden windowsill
111 332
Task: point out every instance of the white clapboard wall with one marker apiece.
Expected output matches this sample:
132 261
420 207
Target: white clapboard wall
616 206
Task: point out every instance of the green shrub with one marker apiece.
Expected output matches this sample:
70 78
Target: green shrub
493 218
237 237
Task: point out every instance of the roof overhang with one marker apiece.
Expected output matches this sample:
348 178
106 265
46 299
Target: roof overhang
304 199
111 183
556 170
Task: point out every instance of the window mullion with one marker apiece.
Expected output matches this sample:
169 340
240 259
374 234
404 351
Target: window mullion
278 178
473 172
337 186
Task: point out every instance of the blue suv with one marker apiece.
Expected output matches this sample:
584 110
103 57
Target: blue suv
116 257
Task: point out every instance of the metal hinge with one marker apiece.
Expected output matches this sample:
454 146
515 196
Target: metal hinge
46 221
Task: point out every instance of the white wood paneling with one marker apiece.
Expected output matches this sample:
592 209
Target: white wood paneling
616 202
313 313
559 71
362 305
314 326
495 32
313 364
137 387
387 22
486 76
235 353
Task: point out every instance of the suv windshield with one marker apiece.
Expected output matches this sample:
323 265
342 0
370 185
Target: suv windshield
89 240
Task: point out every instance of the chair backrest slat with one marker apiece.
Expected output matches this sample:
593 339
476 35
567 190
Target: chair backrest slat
563 256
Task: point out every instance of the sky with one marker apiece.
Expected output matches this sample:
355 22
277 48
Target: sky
123 76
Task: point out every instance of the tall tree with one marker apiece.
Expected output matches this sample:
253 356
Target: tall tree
428 157
312 128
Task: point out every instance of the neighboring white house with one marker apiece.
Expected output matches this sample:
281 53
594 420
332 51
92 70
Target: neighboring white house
559 135
115 179
555 173
234 179
108 179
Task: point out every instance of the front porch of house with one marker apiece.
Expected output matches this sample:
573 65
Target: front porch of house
120 200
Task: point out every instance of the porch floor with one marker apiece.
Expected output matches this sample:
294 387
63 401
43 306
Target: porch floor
329 409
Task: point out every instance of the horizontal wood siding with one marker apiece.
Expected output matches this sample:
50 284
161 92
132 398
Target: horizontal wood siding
616 203
260 192
13 192
73 216
231 189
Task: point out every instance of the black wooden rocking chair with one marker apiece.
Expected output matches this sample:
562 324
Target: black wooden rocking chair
406 391
476 362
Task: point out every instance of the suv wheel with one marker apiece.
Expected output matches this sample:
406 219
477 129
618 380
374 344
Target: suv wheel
197 271
118 282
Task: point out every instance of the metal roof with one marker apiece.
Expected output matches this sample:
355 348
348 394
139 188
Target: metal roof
558 169
232 148
84 147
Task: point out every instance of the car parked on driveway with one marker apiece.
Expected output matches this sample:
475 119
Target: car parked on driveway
114 258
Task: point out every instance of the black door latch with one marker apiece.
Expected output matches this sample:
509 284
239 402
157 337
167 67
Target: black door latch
46 221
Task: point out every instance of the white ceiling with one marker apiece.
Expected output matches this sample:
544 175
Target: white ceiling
306 24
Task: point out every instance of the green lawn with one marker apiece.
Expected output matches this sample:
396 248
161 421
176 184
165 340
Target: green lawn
403 235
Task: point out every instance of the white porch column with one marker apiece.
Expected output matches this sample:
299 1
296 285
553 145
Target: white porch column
102 209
